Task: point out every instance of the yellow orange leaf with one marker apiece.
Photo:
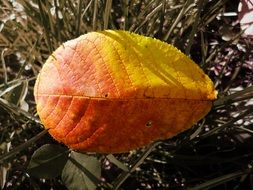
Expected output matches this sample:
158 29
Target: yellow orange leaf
114 91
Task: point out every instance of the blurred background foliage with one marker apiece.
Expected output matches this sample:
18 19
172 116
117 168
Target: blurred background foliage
215 154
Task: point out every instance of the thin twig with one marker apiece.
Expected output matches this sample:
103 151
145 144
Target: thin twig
245 129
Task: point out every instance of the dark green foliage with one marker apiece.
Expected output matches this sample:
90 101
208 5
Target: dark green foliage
81 172
76 169
48 161
215 154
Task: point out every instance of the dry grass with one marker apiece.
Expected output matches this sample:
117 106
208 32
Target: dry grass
215 153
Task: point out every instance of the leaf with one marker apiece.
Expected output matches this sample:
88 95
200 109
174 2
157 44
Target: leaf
126 92
48 161
81 171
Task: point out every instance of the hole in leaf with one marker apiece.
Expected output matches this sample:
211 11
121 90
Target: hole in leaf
149 124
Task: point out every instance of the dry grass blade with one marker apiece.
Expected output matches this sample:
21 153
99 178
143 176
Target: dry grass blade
107 13
238 96
94 18
213 154
45 25
220 180
79 16
183 11
21 147
4 67
123 176
149 16
219 128
17 111
194 27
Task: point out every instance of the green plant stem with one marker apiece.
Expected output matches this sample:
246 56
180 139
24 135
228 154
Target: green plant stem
216 129
180 15
45 24
117 163
233 77
123 176
194 27
234 97
149 16
58 32
245 129
94 17
28 58
4 67
220 180
141 15
107 14
84 12
79 17
126 10
10 88
23 146
222 48
204 48
18 81
17 111
90 175
222 72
